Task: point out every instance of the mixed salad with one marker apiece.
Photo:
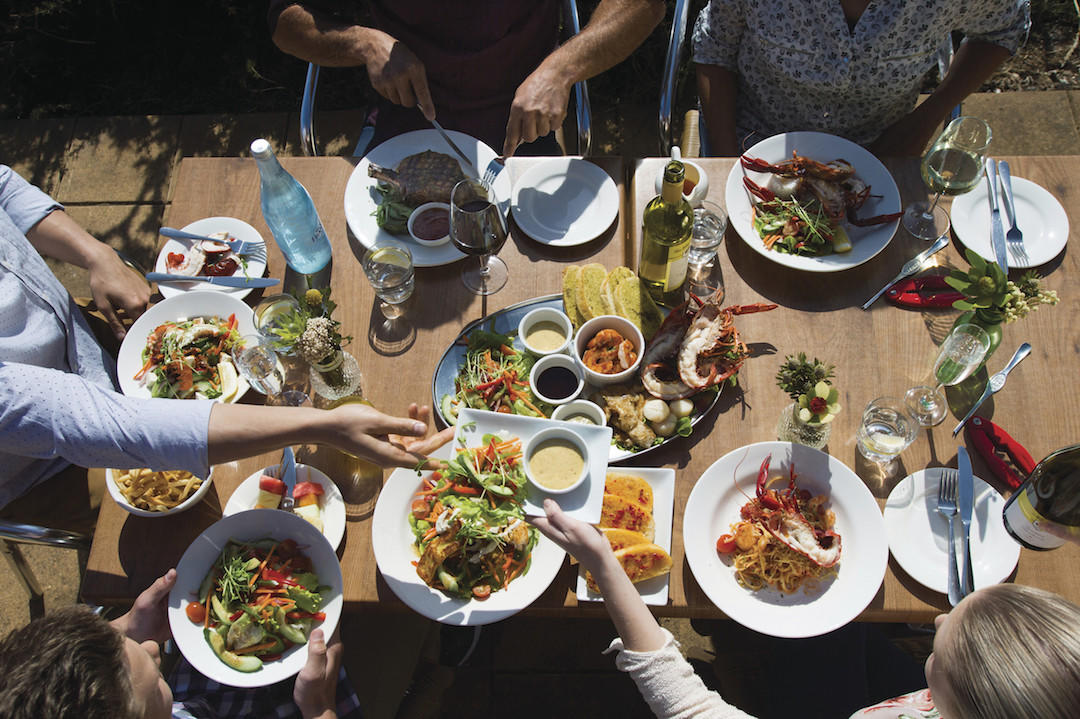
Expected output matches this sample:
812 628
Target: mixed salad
799 226
192 358
495 377
469 524
258 600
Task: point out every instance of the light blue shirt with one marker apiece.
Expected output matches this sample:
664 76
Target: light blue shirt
58 398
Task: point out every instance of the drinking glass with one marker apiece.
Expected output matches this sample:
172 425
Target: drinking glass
952 166
710 223
389 269
886 429
270 314
258 364
961 354
477 227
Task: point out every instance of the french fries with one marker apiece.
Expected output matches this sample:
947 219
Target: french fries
156 491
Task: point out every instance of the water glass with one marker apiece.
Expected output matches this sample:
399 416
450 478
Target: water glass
258 364
710 224
270 314
886 429
389 269
961 354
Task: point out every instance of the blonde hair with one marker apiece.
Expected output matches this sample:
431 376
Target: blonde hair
1014 653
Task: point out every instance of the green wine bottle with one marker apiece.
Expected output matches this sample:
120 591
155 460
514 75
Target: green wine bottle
667 224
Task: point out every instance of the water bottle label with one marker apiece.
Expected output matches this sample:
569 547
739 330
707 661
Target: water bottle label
1023 519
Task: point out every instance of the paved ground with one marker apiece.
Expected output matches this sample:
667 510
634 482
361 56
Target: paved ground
114 175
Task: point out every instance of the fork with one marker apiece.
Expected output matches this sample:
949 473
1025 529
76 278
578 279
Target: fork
946 504
491 171
240 247
1014 237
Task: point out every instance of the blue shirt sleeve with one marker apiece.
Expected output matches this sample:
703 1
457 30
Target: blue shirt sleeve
25 204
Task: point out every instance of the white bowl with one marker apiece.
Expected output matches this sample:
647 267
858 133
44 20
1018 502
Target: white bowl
557 361
580 407
546 314
695 174
589 330
422 209
556 433
114 490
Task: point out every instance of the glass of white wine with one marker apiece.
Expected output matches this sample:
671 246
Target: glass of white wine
961 353
952 166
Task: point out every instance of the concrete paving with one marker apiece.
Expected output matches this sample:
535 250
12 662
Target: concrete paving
114 175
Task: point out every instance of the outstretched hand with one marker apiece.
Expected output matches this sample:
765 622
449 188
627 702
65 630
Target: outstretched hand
148 618
315 691
390 441
582 541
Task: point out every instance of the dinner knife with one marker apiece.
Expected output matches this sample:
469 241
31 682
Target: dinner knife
223 281
965 503
468 163
911 267
995 384
997 233
288 476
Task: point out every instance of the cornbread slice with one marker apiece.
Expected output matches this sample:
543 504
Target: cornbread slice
621 513
629 487
591 300
623 538
571 278
640 562
633 302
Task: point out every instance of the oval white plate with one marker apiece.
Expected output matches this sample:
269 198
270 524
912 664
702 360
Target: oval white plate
361 195
196 562
182 307
392 540
918 533
333 506
866 241
714 505
256 261
1040 217
565 201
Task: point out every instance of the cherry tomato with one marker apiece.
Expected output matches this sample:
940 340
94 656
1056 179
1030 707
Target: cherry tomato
482 591
196 612
726 544
420 508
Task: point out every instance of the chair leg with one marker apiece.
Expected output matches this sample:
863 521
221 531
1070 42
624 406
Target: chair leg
21 568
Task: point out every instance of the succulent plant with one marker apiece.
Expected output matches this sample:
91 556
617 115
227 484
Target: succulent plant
819 406
798 375
983 286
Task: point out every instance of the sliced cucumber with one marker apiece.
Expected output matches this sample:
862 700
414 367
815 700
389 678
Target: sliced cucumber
246 663
449 410
220 613
292 633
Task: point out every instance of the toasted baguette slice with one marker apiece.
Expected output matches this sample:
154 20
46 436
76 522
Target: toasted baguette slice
640 562
591 300
621 513
632 301
634 489
570 280
622 538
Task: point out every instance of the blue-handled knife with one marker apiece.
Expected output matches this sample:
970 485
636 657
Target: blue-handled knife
965 503
997 233
223 281
288 476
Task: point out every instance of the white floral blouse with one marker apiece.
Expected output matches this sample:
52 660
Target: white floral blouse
800 67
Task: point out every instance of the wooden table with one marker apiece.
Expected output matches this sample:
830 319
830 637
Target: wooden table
883 351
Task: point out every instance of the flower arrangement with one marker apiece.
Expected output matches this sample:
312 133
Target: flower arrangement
310 330
807 382
985 287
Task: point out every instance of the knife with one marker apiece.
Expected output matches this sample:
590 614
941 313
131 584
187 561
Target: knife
288 476
468 163
223 281
995 384
965 502
997 234
911 267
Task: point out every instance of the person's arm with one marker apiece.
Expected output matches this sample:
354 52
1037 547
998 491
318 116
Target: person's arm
716 93
615 29
395 72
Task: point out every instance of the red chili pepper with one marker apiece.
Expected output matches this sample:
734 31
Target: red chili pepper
235 615
318 616
278 577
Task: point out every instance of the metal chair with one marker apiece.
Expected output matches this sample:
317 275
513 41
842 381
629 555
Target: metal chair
14 533
583 114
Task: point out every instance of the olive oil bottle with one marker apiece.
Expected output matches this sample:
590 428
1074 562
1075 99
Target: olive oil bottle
667 224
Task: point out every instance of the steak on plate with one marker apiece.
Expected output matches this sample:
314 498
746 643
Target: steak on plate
427 176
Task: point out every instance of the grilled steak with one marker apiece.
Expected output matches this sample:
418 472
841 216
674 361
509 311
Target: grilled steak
427 176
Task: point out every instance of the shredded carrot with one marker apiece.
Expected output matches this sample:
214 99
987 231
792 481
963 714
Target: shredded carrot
508 351
145 368
262 565
429 534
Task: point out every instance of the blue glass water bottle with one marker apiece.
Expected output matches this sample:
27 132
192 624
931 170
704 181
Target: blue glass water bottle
290 214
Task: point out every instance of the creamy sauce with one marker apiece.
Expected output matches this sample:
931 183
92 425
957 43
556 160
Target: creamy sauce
546 336
580 419
556 464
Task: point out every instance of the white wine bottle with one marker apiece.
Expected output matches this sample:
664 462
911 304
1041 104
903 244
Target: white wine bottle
1052 492
667 224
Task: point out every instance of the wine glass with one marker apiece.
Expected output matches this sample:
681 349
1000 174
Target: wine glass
961 353
477 227
258 364
952 166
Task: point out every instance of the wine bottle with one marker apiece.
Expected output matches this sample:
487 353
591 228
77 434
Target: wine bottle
667 224
1052 492
290 214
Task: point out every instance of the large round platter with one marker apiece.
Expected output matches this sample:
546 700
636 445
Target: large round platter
505 321
565 201
361 197
200 556
714 505
867 241
182 307
256 261
392 540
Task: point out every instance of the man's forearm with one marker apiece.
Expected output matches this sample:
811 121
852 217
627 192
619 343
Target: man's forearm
316 37
244 430
61 238
973 63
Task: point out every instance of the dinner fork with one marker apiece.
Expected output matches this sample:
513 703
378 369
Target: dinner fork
240 247
490 172
1014 237
946 504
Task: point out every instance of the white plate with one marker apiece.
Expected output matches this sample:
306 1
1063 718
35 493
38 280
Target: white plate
182 307
392 541
918 533
565 201
1040 216
333 506
256 261
714 506
584 503
654 591
196 562
361 196
866 241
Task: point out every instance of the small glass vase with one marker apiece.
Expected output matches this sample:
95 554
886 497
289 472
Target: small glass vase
990 319
335 376
792 429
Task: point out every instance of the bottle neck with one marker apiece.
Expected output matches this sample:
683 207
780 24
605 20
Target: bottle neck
674 174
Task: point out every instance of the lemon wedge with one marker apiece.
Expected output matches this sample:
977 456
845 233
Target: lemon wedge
840 240
230 382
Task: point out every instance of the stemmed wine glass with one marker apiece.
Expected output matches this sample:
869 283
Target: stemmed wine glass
960 354
258 364
952 166
477 227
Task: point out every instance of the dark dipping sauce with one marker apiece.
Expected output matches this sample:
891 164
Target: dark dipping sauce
556 383
432 224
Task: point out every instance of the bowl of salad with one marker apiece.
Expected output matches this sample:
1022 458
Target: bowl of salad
248 593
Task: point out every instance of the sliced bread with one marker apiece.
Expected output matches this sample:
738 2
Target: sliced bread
633 302
640 562
629 487
591 299
571 278
621 513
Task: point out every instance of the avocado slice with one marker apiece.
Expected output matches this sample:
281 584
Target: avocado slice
292 633
245 663
219 610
